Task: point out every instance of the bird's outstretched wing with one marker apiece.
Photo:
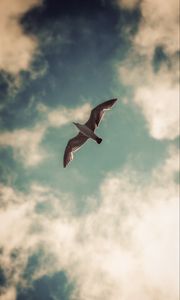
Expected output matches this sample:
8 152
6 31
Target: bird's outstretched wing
73 145
97 113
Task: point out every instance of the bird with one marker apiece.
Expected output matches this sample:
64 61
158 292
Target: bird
87 130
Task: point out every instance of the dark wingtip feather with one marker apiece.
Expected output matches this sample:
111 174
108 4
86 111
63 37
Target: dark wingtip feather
64 164
111 101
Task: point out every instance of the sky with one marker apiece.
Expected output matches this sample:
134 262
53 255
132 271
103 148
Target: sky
107 226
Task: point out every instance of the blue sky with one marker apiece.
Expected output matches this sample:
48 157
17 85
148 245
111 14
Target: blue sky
106 227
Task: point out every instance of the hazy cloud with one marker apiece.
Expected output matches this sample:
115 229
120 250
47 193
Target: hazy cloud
161 108
159 27
17 48
26 143
155 92
62 115
111 251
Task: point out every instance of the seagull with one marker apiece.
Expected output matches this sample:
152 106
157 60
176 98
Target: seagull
86 130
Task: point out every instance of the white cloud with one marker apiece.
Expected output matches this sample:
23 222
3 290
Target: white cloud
125 248
159 26
24 230
26 143
157 96
62 115
155 93
132 240
160 106
17 48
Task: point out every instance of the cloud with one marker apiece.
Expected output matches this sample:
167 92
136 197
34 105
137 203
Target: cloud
26 143
159 103
62 115
9 294
157 96
156 92
128 4
124 248
24 230
17 48
159 26
134 229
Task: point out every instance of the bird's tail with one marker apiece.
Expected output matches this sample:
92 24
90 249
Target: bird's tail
98 140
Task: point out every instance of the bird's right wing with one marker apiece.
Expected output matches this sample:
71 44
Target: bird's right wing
97 113
73 145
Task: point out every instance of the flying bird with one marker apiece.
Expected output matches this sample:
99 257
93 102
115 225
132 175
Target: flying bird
86 130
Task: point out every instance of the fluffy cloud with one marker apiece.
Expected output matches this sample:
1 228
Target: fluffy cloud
126 247
63 115
24 230
134 229
17 48
159 26
159 102
157 96
26 143
155 92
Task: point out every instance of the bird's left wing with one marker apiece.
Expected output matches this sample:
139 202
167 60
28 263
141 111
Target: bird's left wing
97 113
73 145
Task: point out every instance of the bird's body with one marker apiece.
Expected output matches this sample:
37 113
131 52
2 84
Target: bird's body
87 130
